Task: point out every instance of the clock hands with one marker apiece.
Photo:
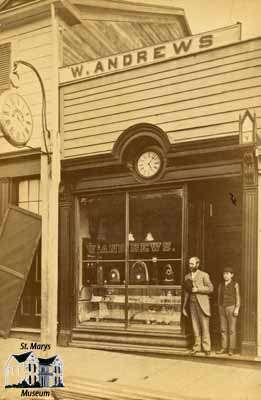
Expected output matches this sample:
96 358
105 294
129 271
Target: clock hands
151 159
148 164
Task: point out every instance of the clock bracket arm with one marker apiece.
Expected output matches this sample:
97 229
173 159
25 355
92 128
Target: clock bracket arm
46 132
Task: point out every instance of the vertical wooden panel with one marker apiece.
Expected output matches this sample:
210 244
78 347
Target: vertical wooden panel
65 299
249 257
259 263
5 192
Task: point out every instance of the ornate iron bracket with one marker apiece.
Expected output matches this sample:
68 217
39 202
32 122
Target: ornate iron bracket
46 132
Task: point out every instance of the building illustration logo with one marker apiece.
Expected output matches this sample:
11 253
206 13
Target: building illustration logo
28 371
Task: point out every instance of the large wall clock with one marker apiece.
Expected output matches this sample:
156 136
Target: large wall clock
149 163
16 121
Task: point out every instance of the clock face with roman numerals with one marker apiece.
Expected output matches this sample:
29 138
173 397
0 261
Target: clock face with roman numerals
149 164
16 121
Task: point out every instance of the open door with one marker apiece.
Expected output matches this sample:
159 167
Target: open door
19 237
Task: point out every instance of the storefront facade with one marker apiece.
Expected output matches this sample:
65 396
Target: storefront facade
157 167
160 162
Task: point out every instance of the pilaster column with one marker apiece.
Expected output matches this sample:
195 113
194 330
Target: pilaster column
66 278
258 154
249 266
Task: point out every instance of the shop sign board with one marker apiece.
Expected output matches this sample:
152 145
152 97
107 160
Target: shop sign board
151 55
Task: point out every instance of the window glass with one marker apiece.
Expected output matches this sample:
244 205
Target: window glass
155 238
150 295
34 190
23 191
29 195
102 252
155 248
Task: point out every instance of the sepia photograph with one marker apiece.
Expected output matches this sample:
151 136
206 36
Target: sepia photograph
130 199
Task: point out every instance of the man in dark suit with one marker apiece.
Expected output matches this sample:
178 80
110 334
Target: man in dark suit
197 287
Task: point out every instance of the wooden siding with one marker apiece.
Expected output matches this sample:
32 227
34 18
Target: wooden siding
195 97
32 43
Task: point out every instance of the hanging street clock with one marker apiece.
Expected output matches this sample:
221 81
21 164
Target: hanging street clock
16 121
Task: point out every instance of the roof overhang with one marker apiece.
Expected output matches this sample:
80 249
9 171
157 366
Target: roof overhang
17 15
160 8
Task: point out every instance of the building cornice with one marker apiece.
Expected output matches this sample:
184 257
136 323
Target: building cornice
20 154
14 15
150 8
139 6
177 153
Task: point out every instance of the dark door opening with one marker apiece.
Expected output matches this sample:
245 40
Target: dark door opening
215 225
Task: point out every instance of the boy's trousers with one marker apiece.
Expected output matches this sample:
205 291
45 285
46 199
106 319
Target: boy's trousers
228 327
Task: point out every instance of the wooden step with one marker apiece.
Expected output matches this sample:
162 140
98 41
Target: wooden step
126 347
129 338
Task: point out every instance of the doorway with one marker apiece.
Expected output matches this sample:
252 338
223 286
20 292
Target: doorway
215 226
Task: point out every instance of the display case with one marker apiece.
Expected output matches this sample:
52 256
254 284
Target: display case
148 305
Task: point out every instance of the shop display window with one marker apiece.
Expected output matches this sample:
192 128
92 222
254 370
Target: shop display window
102 249
131 259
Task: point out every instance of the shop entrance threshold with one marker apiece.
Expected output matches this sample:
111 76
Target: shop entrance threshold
169 352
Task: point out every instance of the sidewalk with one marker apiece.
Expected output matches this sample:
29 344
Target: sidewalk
111 375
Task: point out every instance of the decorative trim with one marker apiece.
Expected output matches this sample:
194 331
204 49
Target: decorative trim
65 194
249 271
135 7
4 180
249 169
192 172
190 149
252 117
152 133
258 158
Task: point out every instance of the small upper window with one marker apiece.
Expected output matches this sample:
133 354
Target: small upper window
29 195
5 66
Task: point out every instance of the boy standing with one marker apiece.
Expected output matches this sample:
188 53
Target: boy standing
228 304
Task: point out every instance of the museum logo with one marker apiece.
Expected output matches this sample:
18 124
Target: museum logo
26 370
